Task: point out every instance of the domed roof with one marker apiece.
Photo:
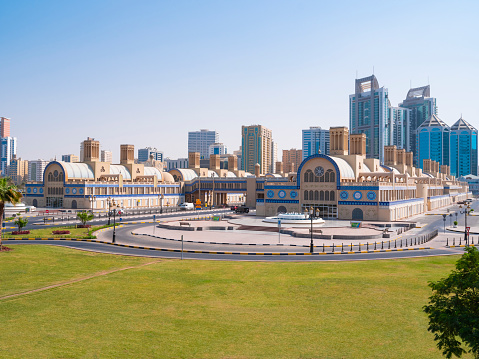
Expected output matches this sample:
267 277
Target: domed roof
153 171
120 169
230 174
187 174
212 174
77 170
167 177
344 168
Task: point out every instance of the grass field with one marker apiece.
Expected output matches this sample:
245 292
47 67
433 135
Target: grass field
213 309
47 232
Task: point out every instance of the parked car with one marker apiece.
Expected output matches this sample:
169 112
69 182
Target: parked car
242 209
187 206
233 208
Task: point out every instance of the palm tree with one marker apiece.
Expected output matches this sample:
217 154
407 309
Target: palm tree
8 193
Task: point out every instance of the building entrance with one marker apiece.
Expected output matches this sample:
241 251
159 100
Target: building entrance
322 210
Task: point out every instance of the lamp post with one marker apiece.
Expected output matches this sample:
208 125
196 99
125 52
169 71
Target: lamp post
109 210
467 210
114 221
444 220
311 216
450 220
161 204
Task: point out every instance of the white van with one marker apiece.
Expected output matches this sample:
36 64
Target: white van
187 206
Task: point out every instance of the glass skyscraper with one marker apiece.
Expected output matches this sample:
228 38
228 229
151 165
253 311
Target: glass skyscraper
368 113
422 107
433 141
314 140
398 125
463 149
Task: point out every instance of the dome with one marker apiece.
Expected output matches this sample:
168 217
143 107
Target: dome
76 170
167 177
153 171
187 174
344 168
230 174
120 169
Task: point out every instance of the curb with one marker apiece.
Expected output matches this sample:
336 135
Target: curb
225 253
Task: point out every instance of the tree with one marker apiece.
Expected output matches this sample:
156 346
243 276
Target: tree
8 193
453 308
21 222
85 217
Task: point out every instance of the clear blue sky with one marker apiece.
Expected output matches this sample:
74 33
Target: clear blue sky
147 72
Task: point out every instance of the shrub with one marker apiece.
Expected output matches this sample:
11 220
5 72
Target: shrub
61 232
83 225
20 232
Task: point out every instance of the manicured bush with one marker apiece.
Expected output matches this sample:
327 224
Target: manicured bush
83 225
61 232
20 232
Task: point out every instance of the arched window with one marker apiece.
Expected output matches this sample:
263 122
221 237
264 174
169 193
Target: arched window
316 195
50 176
316 178
332 176
331 196
326 176
60 178
321 179
311 195
311 176
321 195
305 195
306 176
326 195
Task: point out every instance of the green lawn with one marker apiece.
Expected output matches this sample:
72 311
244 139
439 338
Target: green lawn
47 232
214 309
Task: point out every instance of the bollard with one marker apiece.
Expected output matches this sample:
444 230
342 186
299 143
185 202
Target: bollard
360 246
333 247
460 240
382 244
411 242
395 244
454 241
323 247
415 241
374 245
447 242
406 242
342 248
472 239
367 246
351 246
401 243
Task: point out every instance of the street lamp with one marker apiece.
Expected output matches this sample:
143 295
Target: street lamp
466 211
311 216
109 209
114 211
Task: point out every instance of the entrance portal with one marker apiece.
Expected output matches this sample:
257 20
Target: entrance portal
357 214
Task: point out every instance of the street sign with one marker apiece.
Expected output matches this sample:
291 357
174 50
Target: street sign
467 229
154 217
279 223
47 211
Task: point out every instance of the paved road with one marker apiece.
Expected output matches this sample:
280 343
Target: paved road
429 223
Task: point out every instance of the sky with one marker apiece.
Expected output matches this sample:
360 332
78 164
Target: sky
147 72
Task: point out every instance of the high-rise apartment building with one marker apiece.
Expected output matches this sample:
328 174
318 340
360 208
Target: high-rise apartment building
8 151
274 154
70 158
106 156
292 159
422 107
368 114
433 142
4 127
217 149
256 148
145 153
200 141
315 140
399 130
463 146
18 170
36 169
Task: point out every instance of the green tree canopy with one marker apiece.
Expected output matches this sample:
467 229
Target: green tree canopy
85 217
453 309
21 222
8 193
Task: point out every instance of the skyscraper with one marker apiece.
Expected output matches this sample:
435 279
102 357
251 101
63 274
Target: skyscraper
399 130
18 170
314 140
368 113
422 106
4 127
292 159
200 141
36 169
463 149
433 141
256 148
217 149
145 153
8 145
